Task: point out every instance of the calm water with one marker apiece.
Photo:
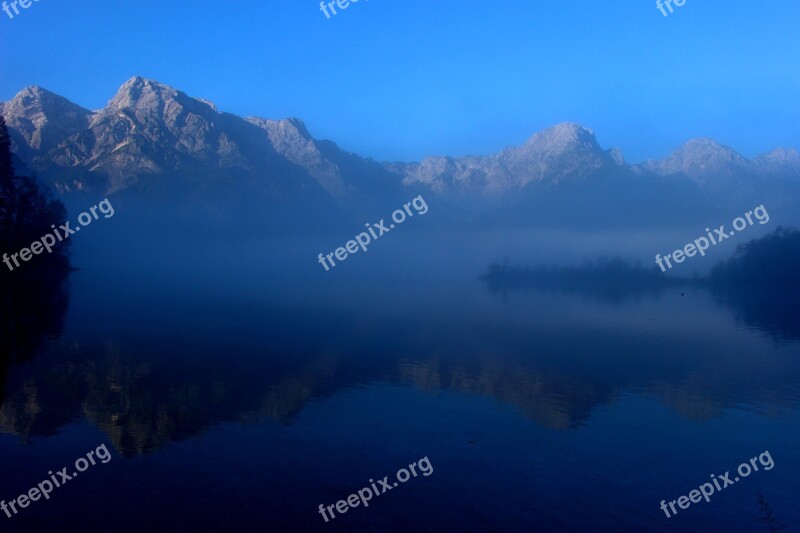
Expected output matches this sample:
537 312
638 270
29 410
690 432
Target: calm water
239 393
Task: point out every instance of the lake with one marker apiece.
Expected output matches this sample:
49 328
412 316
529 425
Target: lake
238 386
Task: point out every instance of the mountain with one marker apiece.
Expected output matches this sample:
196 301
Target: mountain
564 152
154 141
779 163
153 137
39 120
703 160
343 175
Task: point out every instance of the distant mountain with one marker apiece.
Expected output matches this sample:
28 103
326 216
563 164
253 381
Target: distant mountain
779 163
566 151
703 160
706 161
152 140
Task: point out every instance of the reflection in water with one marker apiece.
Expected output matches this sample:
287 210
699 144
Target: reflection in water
773 310
554 401
143 405
555 357
761 283
613 280
33 307
34 304
561 343
140 402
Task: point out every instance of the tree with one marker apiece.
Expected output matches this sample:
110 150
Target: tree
6 184
767 516
26 212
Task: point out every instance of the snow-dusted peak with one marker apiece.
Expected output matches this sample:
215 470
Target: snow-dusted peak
702 159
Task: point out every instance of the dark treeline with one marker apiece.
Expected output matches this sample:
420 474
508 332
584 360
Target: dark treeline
607 279
33 296
771 260
26 215
608 271
760 283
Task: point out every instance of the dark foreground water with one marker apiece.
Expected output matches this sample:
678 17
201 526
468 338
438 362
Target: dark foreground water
240 398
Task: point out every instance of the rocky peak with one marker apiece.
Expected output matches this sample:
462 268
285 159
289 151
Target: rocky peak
566 150
616 155
780 155
141 92
283 131
779 163
152 102
290 138
702 159
562 137
40 119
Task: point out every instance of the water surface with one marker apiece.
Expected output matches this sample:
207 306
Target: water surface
240 386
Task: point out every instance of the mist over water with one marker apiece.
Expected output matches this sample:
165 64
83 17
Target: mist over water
221 361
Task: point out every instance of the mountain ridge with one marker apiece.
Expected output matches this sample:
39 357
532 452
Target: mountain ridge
152 137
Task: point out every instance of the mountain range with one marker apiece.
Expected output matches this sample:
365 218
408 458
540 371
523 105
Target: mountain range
152 140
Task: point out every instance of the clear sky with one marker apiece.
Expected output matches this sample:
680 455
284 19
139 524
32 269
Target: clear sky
402 79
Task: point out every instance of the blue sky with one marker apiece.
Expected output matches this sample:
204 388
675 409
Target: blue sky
400 80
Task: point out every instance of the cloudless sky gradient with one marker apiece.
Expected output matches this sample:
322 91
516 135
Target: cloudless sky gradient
400 80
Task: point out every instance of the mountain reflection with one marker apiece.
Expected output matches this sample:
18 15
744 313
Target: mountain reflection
560 344
33 306
142 403
556 371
